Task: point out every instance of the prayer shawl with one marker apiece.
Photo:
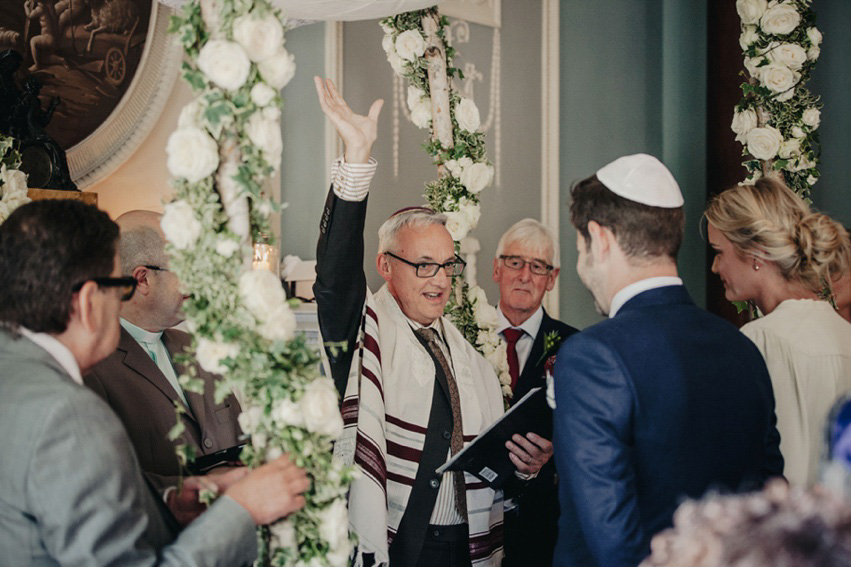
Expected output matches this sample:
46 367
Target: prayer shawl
386 411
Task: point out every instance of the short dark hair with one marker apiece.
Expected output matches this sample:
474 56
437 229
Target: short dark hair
46 247
643 232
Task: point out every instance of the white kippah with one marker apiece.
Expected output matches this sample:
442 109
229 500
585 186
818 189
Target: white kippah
643 179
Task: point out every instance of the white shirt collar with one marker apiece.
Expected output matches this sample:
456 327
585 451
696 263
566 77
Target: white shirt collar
531 325
58 351
633 289
140 334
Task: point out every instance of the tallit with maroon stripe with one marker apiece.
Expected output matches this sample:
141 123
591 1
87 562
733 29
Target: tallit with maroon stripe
386 410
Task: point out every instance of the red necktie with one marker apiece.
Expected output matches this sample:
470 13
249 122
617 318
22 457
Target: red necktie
511 337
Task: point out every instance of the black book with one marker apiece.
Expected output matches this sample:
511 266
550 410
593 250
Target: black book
205 463
486 455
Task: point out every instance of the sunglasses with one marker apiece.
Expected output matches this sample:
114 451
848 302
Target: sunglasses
125 284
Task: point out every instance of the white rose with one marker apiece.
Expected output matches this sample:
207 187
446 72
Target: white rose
211 355
192 114
192 154
319 407
287 413
421 114
752 66
812 117
748 37
250 419
279 69
778 78
743 122
226 247
387 44
788 54
224 63
14 184
476 294
763 143
415 96
750 11
811 180
813 53
262 94
790 148
410 45
396 63
334 523
803 163
486 315
454 167
497 357
780 19
259 37
265 133
280 323
467 115
259 440
814 36
261 293
472 211
179 224
457 225
476 177
785 95
798 132
283 534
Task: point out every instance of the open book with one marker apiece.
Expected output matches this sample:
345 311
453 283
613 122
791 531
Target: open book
486 455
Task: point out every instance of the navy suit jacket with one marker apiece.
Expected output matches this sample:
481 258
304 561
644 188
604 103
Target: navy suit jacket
660 403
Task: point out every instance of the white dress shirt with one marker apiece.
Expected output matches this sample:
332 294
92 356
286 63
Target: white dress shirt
58 351
633 289
531 326
152 343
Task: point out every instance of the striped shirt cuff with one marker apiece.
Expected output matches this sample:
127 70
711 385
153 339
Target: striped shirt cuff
351 180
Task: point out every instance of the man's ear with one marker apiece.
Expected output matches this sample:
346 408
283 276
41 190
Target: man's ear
496 270
83 306
602 240
140 274
551 279
383 266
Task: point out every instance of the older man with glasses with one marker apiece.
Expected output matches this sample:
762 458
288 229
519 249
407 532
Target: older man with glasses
139 379
414 389
526 267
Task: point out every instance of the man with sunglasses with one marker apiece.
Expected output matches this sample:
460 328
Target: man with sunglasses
71 489
414 390
525 268
139 379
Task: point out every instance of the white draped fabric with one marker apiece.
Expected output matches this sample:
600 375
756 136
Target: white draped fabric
339 10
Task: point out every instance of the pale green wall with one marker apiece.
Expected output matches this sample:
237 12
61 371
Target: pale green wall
632 80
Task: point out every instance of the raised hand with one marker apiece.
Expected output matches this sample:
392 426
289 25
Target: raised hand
358 132
272 491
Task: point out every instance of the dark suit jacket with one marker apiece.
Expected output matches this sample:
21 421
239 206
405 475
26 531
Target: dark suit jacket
132 384
530 530
660 403
340 291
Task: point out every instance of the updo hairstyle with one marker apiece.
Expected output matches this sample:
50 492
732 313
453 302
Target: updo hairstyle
770 222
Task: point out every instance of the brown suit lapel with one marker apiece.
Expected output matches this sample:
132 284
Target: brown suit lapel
177 344
136 359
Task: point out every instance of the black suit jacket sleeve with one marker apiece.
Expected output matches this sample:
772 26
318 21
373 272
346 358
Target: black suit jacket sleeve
340 287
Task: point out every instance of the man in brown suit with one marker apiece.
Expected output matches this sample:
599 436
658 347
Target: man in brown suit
139 379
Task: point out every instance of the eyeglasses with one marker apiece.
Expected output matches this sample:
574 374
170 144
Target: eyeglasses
126 285
535 266
430 269
156 268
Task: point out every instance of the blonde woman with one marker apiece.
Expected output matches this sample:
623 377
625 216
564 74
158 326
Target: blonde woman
770 248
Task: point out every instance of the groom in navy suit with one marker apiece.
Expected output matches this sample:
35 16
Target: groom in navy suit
660 402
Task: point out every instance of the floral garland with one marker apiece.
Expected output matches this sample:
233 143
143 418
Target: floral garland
13 182
228 141
467 172
777 118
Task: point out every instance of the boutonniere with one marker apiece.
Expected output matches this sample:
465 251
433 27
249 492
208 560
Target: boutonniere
552 341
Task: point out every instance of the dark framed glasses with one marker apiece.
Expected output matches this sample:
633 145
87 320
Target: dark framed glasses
125 284
430 269
156 268
535 266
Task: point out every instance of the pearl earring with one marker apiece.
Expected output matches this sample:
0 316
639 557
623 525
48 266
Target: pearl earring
756 266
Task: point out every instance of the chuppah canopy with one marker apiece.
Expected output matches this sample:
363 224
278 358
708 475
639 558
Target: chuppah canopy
339 10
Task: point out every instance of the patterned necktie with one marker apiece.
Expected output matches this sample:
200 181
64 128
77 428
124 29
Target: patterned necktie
511 337
456 441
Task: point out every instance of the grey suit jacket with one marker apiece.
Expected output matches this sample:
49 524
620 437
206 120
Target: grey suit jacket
71 490
142 397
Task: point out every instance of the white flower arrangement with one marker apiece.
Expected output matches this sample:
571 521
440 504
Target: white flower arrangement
227 143
13 182
777 118
467 172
